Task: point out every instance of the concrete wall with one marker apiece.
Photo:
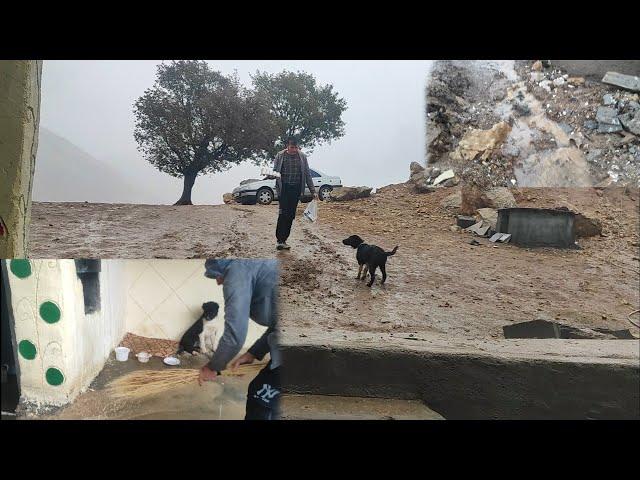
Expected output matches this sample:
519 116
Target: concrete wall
165 297
596 69
19 119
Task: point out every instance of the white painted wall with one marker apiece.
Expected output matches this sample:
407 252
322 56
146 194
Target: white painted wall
165 297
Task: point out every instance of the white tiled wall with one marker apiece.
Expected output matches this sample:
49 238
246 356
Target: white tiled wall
165 297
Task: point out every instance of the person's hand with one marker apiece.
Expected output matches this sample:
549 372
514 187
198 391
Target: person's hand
206 375
243 359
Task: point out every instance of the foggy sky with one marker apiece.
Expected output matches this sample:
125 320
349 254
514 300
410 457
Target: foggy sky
90 104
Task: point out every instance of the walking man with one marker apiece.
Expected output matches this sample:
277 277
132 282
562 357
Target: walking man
250 289
293 167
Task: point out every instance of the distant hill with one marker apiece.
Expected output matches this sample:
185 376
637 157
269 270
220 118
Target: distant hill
65 173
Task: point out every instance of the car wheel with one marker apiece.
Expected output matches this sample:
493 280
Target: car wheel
264 196
324 192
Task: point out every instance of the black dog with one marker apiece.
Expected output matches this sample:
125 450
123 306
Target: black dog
190 341
369 257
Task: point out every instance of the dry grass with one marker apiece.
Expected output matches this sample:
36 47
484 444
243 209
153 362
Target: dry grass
143 383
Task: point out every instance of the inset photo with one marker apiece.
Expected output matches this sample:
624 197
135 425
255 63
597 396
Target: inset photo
140 339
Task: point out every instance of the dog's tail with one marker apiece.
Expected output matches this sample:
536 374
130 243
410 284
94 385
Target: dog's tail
392 252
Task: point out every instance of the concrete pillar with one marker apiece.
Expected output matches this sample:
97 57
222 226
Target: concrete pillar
19 120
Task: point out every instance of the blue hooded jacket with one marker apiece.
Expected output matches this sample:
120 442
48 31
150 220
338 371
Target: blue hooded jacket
250 290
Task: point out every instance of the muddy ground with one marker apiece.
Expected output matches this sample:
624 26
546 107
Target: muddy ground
438 283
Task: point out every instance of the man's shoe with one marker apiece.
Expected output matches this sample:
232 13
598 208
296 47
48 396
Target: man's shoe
282 246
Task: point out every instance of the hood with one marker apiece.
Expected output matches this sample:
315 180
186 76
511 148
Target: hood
214 268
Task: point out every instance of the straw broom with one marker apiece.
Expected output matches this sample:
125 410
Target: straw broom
143 383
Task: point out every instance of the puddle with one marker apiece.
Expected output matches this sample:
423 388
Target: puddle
221 400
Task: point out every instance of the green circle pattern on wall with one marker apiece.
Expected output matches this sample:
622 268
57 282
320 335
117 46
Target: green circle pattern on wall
50 312
54 376
27 349
20 268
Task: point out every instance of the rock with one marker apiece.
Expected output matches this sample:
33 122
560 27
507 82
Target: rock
586 227
566 127
501 197
607 118
631 122
343 194
590 124
575 81
536 76
227 198
608 99
545 85
559 81
465 221
418 177
415 167
453 201
455 228
424 187
451 182
522 109
628 82
435 171
443 176
537 66
481 143
489 216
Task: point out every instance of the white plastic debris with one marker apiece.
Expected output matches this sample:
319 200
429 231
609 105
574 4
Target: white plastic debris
311 212
443 176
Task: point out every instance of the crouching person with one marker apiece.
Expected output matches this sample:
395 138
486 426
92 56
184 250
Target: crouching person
250 290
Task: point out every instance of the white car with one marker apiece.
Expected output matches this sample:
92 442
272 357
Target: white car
264 191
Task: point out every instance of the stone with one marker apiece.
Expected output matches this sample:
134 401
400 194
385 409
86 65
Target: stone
607 115
424 187
451 182
608 99
227 198
435 172
590 124
343 194
415 167
455 228
489 216
537 66
500 197
559 81
536 76
576 81
546 85
631 122
566 127
627 82
453 201
464 221
586 227
481 144
443 176
522 109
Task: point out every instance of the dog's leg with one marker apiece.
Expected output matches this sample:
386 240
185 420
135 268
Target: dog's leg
383 269
372 272
359 271
364 271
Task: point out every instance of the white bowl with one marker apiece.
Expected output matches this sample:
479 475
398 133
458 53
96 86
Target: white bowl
173 361
143 357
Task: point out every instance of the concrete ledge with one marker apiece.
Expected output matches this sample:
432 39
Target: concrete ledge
475 379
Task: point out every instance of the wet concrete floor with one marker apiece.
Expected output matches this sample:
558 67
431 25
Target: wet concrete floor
223 399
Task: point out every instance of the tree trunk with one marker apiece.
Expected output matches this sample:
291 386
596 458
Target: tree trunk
20 107
189 180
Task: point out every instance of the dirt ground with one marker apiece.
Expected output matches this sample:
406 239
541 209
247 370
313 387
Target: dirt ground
438 283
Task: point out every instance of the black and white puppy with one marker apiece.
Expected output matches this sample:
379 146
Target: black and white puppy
190 341
369 258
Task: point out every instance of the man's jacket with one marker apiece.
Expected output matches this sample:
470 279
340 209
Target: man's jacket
305 177
250 290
